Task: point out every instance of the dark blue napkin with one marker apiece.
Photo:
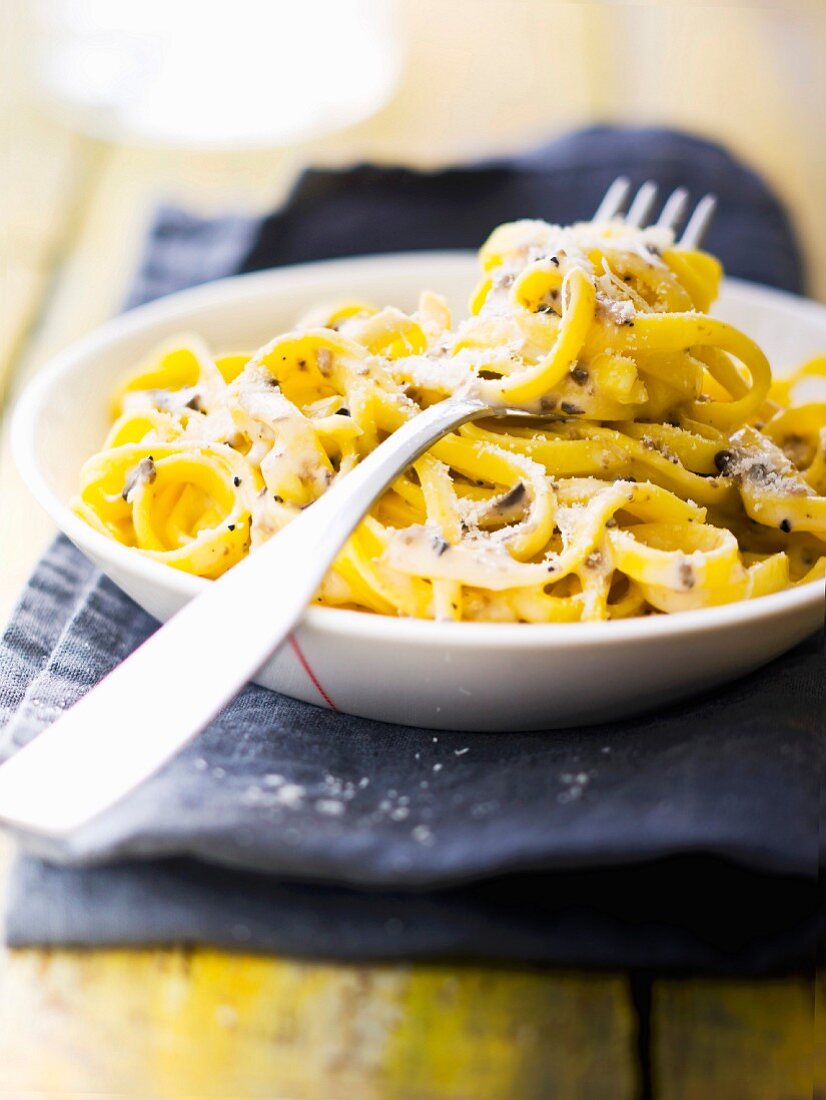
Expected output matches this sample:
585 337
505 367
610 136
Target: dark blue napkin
685 839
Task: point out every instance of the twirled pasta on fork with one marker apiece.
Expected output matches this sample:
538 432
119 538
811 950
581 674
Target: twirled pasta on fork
668 472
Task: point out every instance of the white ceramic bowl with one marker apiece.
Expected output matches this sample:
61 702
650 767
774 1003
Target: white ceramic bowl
470 676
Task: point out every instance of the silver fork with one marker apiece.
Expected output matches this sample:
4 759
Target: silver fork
144 712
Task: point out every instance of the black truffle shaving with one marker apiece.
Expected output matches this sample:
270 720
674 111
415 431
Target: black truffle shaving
511 498
724 461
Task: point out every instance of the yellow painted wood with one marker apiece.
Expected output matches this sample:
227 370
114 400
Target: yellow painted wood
734 1039
201 1024
820 1036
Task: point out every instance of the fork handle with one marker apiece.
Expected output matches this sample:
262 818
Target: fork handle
150 706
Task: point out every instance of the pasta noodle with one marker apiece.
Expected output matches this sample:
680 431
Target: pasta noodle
667 470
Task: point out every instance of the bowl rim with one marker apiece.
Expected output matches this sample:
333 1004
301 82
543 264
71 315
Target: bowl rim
338 622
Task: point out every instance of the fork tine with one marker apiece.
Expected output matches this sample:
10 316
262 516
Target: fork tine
699 222
640 208
674 209
614 200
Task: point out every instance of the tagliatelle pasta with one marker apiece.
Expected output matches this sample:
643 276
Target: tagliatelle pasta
668 471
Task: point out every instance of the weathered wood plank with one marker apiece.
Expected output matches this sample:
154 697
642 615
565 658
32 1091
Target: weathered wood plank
733 1039
201 1024
819 1091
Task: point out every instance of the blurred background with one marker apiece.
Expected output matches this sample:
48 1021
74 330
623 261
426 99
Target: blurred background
108 107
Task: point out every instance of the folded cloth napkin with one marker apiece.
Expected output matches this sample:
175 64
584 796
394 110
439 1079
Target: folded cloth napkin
688 838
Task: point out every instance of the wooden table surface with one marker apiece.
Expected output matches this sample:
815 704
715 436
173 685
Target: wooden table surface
179 1024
